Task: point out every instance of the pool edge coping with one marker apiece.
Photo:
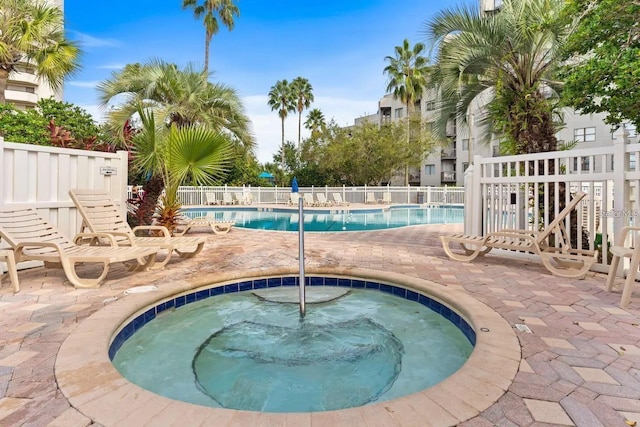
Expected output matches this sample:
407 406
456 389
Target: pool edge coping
94 387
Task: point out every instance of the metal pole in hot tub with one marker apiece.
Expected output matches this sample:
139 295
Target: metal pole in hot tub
301 254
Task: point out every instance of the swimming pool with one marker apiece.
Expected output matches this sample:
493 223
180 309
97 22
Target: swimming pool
333 220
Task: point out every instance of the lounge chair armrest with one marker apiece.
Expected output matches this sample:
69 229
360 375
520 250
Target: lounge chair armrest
26 245
80 237
624 232
164 229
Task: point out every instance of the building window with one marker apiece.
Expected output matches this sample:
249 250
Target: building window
631 128
584 164
632 162
398 113
430 169
431 105
465 144
465 166
584 134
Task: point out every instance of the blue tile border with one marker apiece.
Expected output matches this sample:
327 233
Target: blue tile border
262 283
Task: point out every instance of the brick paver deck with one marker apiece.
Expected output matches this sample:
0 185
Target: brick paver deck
580 364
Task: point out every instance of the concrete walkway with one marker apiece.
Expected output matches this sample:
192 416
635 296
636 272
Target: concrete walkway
580 363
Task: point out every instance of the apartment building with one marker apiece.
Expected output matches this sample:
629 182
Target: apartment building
24 88
467 139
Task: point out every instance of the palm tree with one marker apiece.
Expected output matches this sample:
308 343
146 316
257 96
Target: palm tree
180 96
225 11
32 32
175 155
505 59
281 99
315 122
407 73
302 92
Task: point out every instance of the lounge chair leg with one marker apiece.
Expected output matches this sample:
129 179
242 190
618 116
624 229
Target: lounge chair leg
141 264
11 268
613 270
470 254
70 270
190 254
629 282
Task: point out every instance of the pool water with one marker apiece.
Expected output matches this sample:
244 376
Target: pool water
288 220
239 351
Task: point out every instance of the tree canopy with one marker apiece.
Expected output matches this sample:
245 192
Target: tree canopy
602 74
506 59
32 37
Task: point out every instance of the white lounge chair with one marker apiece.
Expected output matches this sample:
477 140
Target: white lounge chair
371 198
34 239
308 200
567 262
337 197
386 198
238 199
322 200
100 214
619 250
227 199
210 199
294 199
218 227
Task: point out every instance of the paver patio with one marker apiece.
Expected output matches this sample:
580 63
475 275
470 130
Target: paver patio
580 363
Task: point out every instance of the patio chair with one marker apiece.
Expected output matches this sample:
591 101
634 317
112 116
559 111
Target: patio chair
337 197
210 199
294 199
386 198
322 200
621 251
371 198
570 262
227 199
33 238
239 199
308 200
100 214
218 227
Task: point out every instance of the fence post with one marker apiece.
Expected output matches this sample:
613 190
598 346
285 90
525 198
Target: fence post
620 185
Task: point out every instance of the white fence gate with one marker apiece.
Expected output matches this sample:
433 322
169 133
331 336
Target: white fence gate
512 191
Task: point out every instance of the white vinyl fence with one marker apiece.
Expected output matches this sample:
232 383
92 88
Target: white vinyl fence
434 196
34 176
512 191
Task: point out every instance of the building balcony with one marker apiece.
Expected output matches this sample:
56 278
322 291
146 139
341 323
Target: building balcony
495 151
448 154
20 97
448 176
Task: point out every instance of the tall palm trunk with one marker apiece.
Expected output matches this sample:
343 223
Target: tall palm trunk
299 127
282 154
406 166
207 45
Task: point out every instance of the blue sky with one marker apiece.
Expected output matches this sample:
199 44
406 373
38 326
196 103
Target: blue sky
338 45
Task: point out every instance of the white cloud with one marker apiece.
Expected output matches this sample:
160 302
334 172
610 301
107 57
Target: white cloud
267 126
80 83
110 67
86 40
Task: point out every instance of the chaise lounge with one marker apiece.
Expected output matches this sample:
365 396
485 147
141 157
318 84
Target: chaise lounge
100 214
33 238
561 260
218 227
